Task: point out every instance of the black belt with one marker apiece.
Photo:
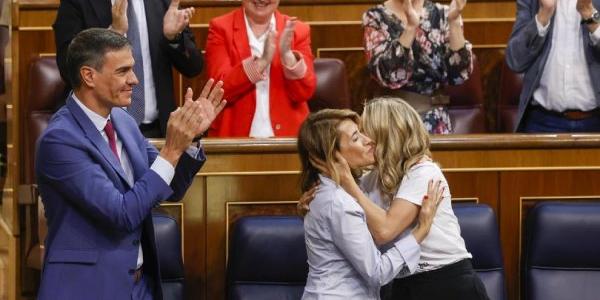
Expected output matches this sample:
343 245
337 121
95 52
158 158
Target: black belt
570 114
456 269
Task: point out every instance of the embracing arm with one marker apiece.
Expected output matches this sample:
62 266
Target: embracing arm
351 236
384 225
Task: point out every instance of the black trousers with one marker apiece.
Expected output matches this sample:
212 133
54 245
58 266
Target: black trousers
457 281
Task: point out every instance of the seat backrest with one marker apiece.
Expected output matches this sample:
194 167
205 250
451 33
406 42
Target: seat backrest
332 85
562 251
511 85
479 229
168 247
46 91
267 258
466 103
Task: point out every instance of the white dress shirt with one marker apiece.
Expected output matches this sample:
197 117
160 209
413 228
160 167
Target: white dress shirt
150 104
343 261
261 122
565 83
443 245
163 168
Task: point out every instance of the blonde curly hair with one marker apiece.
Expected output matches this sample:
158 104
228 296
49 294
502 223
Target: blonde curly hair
400 139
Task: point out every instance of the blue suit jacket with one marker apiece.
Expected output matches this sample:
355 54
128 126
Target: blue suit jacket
96 220
527 52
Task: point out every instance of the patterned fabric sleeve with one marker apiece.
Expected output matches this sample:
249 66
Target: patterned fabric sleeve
460 62
389 62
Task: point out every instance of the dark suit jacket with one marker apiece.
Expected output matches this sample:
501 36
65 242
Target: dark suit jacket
527 53
74 16
96 220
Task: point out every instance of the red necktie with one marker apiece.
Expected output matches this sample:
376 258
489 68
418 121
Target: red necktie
110 133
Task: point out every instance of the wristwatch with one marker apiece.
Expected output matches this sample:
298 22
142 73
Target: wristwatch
595 18
176 39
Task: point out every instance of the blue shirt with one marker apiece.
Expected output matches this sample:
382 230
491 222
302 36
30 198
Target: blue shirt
344 262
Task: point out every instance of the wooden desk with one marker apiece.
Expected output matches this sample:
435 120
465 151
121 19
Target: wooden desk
259 177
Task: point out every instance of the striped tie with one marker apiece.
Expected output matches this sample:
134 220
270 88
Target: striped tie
136 109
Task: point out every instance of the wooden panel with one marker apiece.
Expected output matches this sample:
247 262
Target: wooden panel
223 192
194 238
519 190
480 186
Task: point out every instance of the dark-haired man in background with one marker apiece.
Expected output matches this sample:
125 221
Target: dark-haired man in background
160 36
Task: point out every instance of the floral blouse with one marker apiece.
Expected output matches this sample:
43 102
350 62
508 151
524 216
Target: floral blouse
426 66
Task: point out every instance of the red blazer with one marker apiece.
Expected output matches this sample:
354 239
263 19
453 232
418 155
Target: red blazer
227 46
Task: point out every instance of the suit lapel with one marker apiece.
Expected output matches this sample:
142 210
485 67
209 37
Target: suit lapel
240 35
134 153
95 137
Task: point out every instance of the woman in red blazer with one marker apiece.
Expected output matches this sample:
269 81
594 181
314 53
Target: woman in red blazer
257 46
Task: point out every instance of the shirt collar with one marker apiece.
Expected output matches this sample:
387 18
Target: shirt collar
326 180
98 120
249 29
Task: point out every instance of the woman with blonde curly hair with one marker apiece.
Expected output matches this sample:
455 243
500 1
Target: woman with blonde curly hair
391 195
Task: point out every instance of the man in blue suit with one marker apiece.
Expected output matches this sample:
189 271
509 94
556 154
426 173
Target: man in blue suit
99 178
556 43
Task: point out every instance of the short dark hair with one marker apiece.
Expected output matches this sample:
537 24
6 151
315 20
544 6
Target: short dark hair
88 49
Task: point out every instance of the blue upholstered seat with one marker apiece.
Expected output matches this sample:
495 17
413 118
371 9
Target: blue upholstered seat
479 229
168 244
267 259
562 252
267 254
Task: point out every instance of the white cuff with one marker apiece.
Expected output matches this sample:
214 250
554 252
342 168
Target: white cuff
164 169
193 150
410 251
595 36
542 30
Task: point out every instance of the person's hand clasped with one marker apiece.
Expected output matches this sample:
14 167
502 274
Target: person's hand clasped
192 119
456 8
211 103
119 17
176 19
268 49
585 8
412 16
285 43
